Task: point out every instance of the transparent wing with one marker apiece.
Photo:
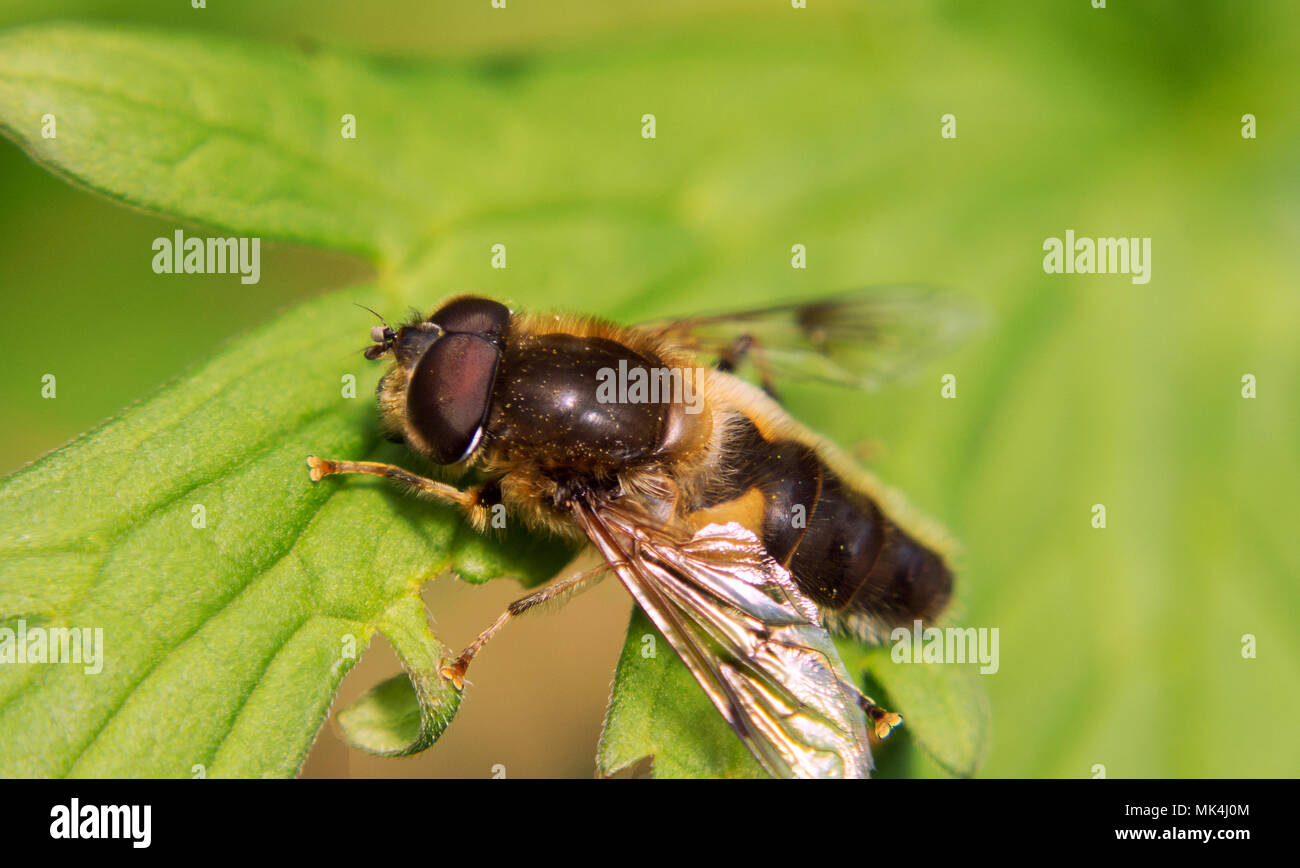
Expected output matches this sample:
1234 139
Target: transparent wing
749 636
859 339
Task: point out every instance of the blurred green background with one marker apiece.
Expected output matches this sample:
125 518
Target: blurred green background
1119 647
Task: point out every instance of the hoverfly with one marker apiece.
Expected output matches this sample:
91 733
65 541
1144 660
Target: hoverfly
742 535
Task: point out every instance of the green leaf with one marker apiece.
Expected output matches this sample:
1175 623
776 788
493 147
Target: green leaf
223 643
160 120
657 711
406 713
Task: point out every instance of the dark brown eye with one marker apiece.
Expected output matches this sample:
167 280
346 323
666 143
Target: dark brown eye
450 392
480 316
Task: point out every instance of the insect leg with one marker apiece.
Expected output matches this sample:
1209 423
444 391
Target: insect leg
470 499
882 721
560 589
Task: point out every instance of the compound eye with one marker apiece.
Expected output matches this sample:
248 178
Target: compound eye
450 393
480 316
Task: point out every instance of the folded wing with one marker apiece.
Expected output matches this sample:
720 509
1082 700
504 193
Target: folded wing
747 634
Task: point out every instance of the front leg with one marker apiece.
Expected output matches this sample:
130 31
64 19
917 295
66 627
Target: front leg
475 500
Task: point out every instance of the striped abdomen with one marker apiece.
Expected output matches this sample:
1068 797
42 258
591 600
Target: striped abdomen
841 549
